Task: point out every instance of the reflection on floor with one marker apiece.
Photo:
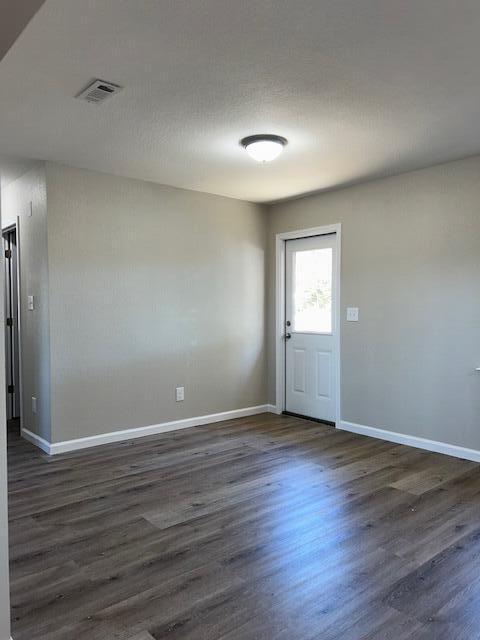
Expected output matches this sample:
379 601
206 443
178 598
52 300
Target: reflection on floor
268 527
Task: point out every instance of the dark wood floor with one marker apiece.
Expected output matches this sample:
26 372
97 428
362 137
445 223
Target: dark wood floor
264 528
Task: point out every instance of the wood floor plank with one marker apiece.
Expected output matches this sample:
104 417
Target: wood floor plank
268 527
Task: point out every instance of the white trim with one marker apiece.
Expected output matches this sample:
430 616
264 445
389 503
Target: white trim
280 309
15 226
138 432
19 328
39 442
272 408
412 441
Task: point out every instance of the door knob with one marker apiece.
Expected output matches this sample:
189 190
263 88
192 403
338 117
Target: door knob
288 336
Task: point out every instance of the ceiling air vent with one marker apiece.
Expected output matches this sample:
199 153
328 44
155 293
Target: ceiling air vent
98 91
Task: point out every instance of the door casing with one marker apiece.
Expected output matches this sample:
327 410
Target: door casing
280 310
16 227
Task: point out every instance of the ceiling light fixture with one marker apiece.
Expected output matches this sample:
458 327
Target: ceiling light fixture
263 147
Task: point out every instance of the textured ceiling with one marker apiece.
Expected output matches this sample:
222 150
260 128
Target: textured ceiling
15 17
360 88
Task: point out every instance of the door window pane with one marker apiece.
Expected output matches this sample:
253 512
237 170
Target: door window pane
312 303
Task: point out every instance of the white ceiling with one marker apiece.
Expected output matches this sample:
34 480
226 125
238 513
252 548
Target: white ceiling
360 88
12 168
15 17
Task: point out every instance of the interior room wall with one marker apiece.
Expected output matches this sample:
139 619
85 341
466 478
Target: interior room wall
411 263
151 288
24 201
4 569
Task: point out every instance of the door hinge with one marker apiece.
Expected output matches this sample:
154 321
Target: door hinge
9 322
11 388
8 253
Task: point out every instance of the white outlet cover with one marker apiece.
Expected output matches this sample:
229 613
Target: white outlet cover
352 314
180 394
31 303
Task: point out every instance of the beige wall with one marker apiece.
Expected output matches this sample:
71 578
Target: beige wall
4 587
151 287
411 263
25 198
4 590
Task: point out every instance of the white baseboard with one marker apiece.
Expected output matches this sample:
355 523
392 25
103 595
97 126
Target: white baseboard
39 442
272 408
138 432
412 441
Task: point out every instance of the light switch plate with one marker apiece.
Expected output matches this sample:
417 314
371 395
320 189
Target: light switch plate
31 303
352 314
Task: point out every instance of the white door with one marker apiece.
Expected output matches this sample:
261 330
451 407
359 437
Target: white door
310 344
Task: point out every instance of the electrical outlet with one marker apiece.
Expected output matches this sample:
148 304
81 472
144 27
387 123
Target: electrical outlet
34 404
31 303
180 394
352 314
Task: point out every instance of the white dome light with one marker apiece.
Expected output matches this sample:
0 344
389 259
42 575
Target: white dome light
263 148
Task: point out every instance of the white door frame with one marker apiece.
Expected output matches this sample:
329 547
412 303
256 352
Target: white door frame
16 227
19 312
281 238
